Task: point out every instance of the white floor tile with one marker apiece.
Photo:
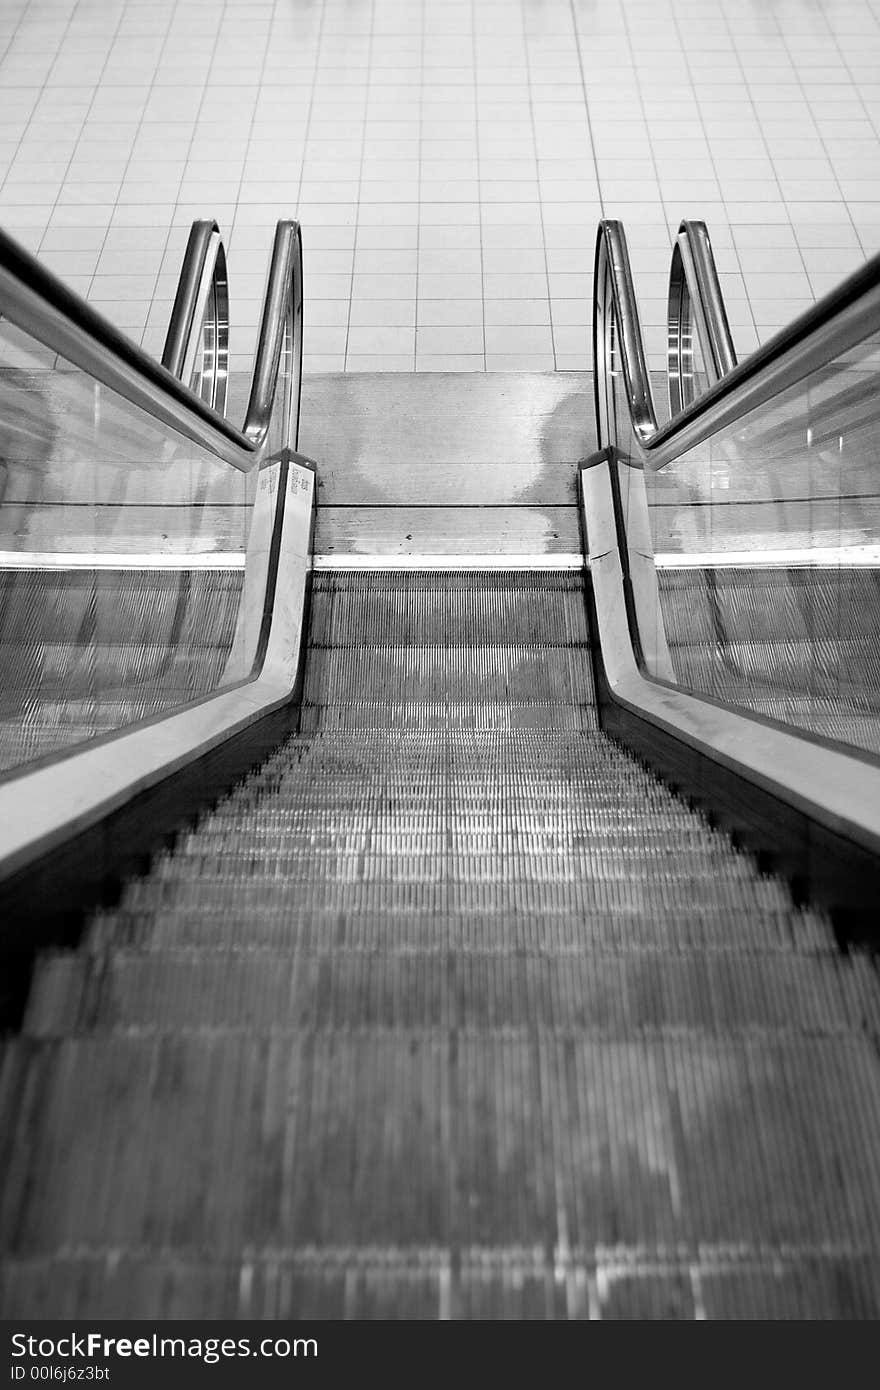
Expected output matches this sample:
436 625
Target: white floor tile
449 162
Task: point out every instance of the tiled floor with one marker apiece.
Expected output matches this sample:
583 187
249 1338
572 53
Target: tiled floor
448 159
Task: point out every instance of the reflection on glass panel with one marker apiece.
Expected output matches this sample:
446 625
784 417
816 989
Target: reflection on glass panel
767 546
694 377
632 498
122 549
258 562
688 377
210 351
202 380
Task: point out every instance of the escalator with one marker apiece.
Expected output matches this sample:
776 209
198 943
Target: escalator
450 1005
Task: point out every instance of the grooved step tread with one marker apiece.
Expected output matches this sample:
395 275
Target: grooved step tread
440 1019
608 993
372 1136
765 1282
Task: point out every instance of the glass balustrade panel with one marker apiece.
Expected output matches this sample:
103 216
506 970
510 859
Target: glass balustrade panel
122 556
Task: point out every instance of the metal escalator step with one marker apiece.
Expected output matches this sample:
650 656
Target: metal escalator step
445 894
477 609
386 676
362 1136
458 862
542 818
473 715
436 1013
486 1282
244 836
371 761
392 854
280 927
601 994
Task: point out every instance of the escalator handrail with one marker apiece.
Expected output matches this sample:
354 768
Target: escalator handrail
695 300
764 777
282 305
612 273
37 302
837 323
692 272
206 257
203 286
705 288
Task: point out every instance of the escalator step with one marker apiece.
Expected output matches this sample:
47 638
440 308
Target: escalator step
280 927
479 1282
362 610
450 1008
414 1137
607 993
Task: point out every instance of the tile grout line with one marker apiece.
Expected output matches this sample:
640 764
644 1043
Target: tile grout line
6 52
477 133
189 148
855 86
538 182
772 162
416 327
43 89
366 117
712 159
140 124
306 132
122 13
